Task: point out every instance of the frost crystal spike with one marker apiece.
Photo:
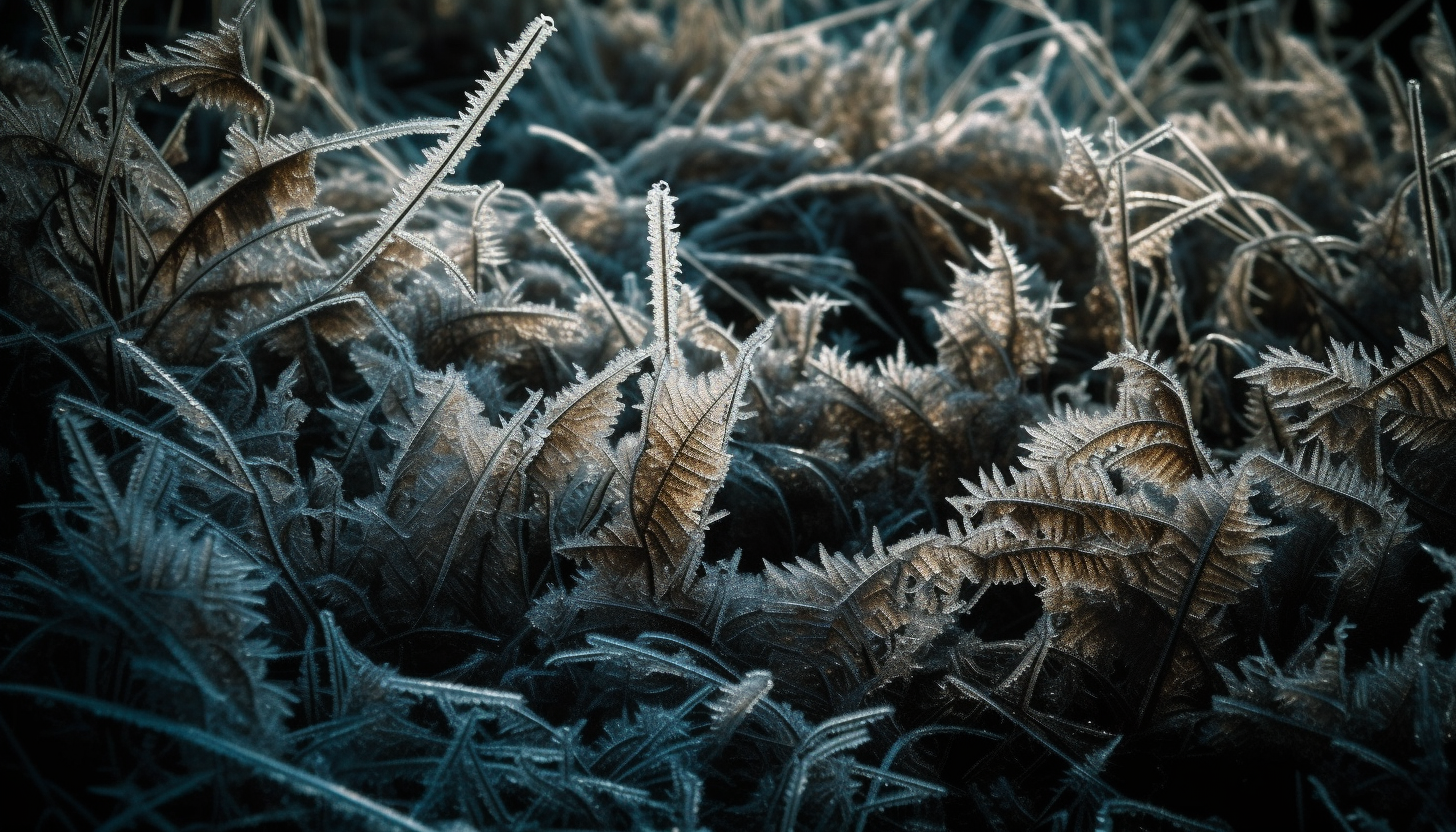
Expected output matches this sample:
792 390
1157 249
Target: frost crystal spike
662 238
441 160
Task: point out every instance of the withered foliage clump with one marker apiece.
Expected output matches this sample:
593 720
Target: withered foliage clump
995 424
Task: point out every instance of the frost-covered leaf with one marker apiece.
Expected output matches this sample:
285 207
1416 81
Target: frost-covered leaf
441 520
1150 434
1081 182
264 182
1156 240
680 462
209 68
577 423
734 702
1348 402
998 322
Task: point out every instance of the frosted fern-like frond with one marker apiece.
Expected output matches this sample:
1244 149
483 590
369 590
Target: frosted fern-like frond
210 430
1340 491
872 614
442 159
1351 400
441 517
1179 548
1072 527
187 606
1149 434
1372 525
800 323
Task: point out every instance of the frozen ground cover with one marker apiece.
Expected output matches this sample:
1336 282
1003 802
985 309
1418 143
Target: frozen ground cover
727 415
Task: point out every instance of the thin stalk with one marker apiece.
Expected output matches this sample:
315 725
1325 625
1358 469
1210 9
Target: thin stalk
583 272
1131 330
1423 188
686 253
98 35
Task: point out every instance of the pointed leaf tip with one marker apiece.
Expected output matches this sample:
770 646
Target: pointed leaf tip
662 240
